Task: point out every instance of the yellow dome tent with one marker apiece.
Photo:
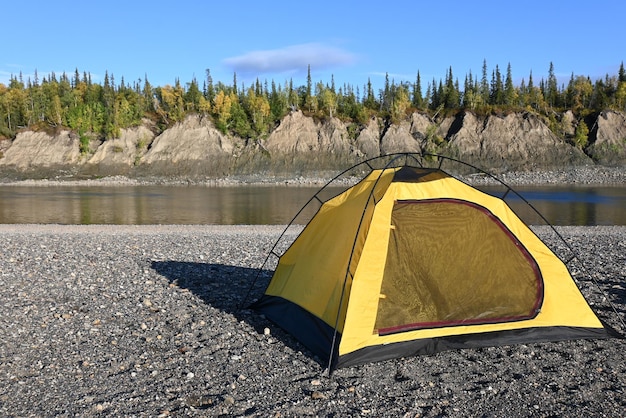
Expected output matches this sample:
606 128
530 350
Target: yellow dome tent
412 261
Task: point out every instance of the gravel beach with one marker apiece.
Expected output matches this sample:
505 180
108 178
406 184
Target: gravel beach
144 321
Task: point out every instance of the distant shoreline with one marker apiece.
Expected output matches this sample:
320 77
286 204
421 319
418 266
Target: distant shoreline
581 176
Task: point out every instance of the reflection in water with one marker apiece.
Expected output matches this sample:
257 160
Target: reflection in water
140 205
568 205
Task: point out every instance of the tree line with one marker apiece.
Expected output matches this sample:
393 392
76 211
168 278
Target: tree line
75 102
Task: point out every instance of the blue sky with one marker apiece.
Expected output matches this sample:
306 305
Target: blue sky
352 41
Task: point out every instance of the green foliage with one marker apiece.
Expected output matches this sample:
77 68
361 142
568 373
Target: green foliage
581 136
53 102
353 130
84 143
554 125
433 141
239 123
142 143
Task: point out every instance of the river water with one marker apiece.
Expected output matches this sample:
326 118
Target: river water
142 205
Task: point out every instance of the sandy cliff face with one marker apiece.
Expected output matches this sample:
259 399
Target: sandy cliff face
512 142
608 139
192 147
33 152
295 134
398 138
300 134
368 140
300 144
119 156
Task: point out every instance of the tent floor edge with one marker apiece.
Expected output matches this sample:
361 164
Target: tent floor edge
431 346
308 329
613 332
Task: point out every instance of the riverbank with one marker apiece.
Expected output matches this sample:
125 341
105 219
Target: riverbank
144 321
582 175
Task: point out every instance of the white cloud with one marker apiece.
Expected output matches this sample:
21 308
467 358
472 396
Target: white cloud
290 59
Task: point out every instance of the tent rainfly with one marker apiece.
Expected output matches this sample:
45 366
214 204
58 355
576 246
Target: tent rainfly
412 261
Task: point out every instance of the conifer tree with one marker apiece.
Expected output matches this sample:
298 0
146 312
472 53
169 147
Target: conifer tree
278 102
210 89
192 96
293 99
385 99
497 90
76 78
370 100
552 91
510 95
435 96
451 92
470 92
484 85
417 99
308 98
148 95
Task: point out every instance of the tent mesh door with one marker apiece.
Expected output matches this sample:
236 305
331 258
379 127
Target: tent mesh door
451 262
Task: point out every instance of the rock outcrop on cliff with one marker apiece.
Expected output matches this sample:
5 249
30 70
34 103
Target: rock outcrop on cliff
119 156
194 148
608 139
300 143
39 150
368 140
512 142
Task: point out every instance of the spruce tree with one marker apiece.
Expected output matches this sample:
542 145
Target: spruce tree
484 85
451 92
417 100
509 90
210 89
552 90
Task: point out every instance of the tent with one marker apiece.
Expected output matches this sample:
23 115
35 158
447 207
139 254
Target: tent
411 260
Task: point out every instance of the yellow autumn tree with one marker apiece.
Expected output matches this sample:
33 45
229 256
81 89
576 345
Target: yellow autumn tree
221 109
204 106
400 105
259 108
582 89
620 96
328 101
172 102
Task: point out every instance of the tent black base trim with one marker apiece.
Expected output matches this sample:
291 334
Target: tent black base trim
312 332
490 339
317 336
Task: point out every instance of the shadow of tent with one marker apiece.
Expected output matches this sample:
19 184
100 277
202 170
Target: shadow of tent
224 287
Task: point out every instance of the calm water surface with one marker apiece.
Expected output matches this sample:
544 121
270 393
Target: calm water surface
141 205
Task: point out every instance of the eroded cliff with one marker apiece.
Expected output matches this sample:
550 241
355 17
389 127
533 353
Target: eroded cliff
194 148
